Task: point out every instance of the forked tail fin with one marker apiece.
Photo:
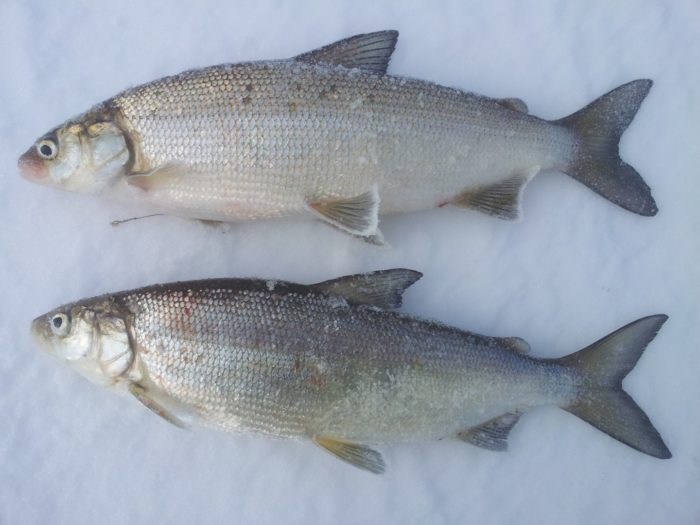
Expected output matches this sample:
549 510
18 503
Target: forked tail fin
602 402
596 162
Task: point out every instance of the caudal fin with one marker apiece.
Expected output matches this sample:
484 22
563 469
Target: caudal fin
602 402
597 163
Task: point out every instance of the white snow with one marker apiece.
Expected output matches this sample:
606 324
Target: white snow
573 270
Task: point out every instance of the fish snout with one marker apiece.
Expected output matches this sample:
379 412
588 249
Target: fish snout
32 166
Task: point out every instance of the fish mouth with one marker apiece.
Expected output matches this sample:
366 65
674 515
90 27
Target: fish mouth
32 167
39 333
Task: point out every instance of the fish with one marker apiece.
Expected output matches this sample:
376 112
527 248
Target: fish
335 363
330 134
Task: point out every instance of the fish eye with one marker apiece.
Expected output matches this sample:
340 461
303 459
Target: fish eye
47 149
60 324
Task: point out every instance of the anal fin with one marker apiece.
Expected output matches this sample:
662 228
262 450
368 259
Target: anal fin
492 435
148 399
357 455
356 215
501 199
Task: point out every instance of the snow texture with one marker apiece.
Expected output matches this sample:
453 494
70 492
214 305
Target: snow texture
575 268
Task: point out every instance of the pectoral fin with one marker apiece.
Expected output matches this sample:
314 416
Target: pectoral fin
155 406
358 455
501 199
356 215
492 435
160 178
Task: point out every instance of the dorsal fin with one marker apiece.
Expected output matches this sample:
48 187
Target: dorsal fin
382 288
369 52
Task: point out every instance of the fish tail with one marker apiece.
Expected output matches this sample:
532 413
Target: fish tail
596 161
601 401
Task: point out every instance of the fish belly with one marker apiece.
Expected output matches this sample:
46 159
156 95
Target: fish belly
265 139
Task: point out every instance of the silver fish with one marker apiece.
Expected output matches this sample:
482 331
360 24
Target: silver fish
332 362
329 133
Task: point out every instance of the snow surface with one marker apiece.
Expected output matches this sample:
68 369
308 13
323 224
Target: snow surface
574 269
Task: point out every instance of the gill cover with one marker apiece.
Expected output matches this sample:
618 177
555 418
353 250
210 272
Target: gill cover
112 345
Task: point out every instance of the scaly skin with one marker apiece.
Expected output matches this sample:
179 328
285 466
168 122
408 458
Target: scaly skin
263 139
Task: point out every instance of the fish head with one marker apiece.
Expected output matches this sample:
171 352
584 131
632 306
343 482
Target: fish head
84 155
92 338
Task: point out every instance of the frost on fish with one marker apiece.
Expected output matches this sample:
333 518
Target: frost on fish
332 363
328 133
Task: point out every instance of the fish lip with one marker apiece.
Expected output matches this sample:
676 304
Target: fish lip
32 167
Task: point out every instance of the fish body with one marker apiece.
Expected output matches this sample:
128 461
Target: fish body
330 133
306 133
333 363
